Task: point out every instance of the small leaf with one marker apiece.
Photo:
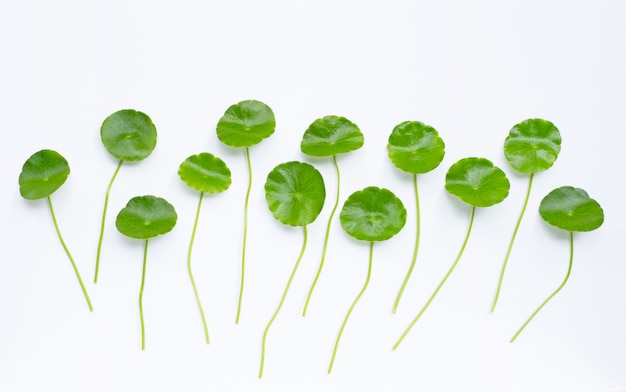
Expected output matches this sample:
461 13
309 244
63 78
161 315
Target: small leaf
295 193
205 172
415 147
571 209
372 214
129 135
477 182
246 124
532 145
331 135
42 174
145 217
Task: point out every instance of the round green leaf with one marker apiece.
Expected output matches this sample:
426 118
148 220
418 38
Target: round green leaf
146 217
42 174
295 193
477 182
532 145
129 135
415 147
205 172
331 135
372 214
571 209
246 124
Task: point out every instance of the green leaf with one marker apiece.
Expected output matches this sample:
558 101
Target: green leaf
146 217
331 135
372 214
295 193
246 124
42 174
415 147
571 209
477 182
205 172
129 135
532 145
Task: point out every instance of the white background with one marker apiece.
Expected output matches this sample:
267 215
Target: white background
471 69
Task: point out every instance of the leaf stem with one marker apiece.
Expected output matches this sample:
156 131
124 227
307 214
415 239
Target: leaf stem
406 331
104 214
330 220
193 282
56 226
143 280
358 297
417 242
245 236
282 300
508 252
569 270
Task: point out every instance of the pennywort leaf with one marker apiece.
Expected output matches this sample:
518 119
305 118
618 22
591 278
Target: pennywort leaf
42 174
532 145
570 209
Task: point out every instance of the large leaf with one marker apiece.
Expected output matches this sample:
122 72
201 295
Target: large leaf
415 147
146 217
205 172
246 124
532 145
295 193
372 214
331 135
571 209
477 182
42 174
129 135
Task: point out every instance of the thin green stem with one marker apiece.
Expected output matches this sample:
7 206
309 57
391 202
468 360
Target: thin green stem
143 280
104 214
193 282
417 244
358 297
406 331
330 220
569 270
508 252
56 226
245 236
282 300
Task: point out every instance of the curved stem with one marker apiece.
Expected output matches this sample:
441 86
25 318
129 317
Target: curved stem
508 252
330 220
104 215
193 282
358 297
569 270
417 243
406 331
56 226
280 304
245 236
143 280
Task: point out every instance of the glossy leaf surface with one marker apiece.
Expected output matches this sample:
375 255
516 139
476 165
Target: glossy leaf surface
532 145
415 147
42 174
477 182
205 172
246 124
571 209
146 217
373 214
129 135
295 193
331 135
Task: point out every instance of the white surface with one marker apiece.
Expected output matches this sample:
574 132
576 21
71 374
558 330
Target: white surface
470 69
